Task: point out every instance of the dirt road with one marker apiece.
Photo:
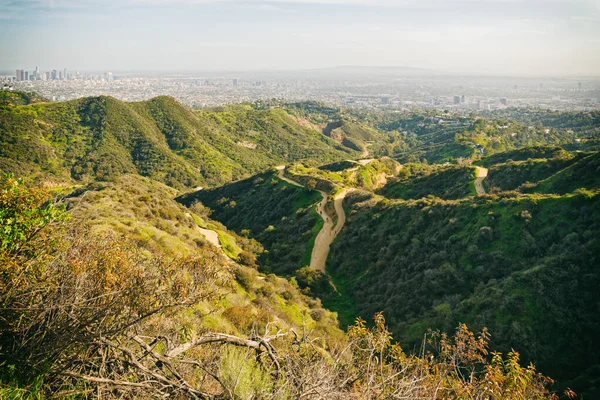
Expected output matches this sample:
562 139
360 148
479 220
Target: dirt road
481 175
328 233
211 236
281 169
324 238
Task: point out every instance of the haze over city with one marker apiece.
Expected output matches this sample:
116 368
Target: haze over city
491 37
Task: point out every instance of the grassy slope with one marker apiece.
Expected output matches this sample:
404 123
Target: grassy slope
523 154
348 174
416 181
279 215
144 210
513 174
583 174
10 98
524 267
100 138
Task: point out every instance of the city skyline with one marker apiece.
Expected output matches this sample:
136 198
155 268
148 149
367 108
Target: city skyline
399 70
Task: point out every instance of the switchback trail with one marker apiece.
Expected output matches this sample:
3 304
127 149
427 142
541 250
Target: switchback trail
328 233
481 175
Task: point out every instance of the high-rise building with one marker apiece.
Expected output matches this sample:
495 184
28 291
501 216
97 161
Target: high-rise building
54 74
65 74
462 98
26 76
60 76
235 82
456 99
19 75
503 101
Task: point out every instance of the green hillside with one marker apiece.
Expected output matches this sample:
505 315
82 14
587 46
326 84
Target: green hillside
516 174
417 180
441 137
524 154
101 138
279 215
523 266
17 98
126 259
371 174
520 264
583 174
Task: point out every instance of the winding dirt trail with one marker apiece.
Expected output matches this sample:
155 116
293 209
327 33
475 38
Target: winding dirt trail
211 236
281 169
481 175
324 238
328 233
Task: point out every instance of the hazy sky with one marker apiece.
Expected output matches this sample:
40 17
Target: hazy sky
543 37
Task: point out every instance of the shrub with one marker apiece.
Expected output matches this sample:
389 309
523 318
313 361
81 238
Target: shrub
486 233
62 290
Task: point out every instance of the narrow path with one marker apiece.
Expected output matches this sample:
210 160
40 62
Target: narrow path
481 175
338 202
211 236
328 233
365 152
324 238
281 169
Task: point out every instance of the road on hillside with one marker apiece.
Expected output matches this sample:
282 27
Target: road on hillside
481 175
211 236
281 169
328 233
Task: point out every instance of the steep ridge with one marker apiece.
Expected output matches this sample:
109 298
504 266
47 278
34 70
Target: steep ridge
513 174
583 174
100 138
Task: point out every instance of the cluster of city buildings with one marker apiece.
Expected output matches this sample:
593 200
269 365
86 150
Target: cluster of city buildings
23 75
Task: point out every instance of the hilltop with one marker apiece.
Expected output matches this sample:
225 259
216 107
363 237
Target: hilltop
101 138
